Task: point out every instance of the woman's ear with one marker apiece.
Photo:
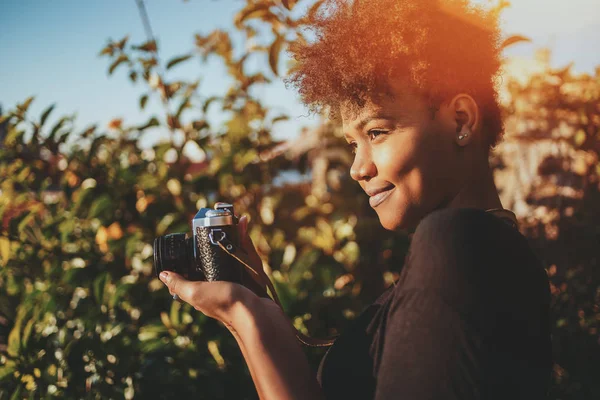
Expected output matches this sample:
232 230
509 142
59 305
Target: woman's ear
466 118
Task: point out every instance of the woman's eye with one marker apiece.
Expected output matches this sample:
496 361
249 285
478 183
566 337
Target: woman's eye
353 147
374 133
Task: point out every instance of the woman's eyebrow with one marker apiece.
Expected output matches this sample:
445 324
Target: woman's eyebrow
370 118
361 124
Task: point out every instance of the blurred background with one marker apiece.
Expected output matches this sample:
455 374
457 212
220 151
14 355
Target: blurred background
119 119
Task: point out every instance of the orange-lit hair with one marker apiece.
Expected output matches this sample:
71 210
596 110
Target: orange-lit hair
439 47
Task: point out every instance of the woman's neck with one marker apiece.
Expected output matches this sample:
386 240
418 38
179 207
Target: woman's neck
478 192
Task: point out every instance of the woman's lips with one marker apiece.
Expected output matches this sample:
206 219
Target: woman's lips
379 198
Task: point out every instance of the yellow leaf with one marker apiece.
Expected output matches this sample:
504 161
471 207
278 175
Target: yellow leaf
102 238
4 250
580 137
274 53
253 11
174 186
114 231
213 349
165 319
289 4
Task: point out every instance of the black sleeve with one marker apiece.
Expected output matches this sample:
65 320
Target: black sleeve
466 320
429 353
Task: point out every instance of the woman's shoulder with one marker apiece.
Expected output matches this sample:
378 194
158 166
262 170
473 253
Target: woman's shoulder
468 233
469 256
449 221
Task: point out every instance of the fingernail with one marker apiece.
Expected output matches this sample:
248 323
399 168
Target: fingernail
163 276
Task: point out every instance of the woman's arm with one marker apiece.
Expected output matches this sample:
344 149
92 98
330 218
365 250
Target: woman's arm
274 356
265 335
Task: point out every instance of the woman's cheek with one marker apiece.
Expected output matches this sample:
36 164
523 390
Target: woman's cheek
396 158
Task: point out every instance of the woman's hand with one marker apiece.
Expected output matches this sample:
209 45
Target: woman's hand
218 299
264 333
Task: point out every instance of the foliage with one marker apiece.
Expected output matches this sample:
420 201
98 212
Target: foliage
81 313
552 149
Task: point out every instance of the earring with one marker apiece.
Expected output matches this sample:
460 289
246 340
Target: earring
463 136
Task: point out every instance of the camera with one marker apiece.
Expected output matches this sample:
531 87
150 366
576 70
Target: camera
199 257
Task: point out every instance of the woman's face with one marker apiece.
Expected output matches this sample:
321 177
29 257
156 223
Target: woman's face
406 158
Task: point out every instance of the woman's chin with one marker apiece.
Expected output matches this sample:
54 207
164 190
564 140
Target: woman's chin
394 223
398 221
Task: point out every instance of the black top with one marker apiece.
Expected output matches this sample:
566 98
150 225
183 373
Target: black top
468 319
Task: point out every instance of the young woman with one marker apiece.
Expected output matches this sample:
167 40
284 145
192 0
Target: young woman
413 84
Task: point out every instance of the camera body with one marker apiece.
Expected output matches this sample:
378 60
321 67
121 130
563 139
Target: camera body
199 257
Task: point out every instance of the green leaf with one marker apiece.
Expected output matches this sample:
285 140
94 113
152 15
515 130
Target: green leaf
27 332
274 53
208 102
88 131
101 204
17 393
99 285
143 101
184 104
83 196
45 114
56 128
149 332
511 40
174 61
26 222
23 107
119 292
151 122
67 226
7 369
13 137
63 138
174 314
14 340
164 224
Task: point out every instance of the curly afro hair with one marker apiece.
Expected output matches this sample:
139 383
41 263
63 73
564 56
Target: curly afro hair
439 48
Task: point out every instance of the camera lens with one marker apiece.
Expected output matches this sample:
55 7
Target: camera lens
171 253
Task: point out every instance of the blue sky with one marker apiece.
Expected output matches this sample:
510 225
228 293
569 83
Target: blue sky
49 49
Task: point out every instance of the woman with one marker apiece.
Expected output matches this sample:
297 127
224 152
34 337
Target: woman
413 84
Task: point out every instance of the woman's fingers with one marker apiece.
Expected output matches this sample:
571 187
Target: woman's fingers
178 285
214 299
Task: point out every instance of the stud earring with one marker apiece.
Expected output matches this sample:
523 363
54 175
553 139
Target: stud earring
463 136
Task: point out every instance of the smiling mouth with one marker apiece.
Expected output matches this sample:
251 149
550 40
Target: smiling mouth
379 198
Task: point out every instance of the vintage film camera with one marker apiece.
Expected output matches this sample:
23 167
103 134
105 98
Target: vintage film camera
199 257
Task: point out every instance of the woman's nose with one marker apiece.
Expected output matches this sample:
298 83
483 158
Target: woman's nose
363 167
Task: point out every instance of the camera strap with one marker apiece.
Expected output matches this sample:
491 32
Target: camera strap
263 279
